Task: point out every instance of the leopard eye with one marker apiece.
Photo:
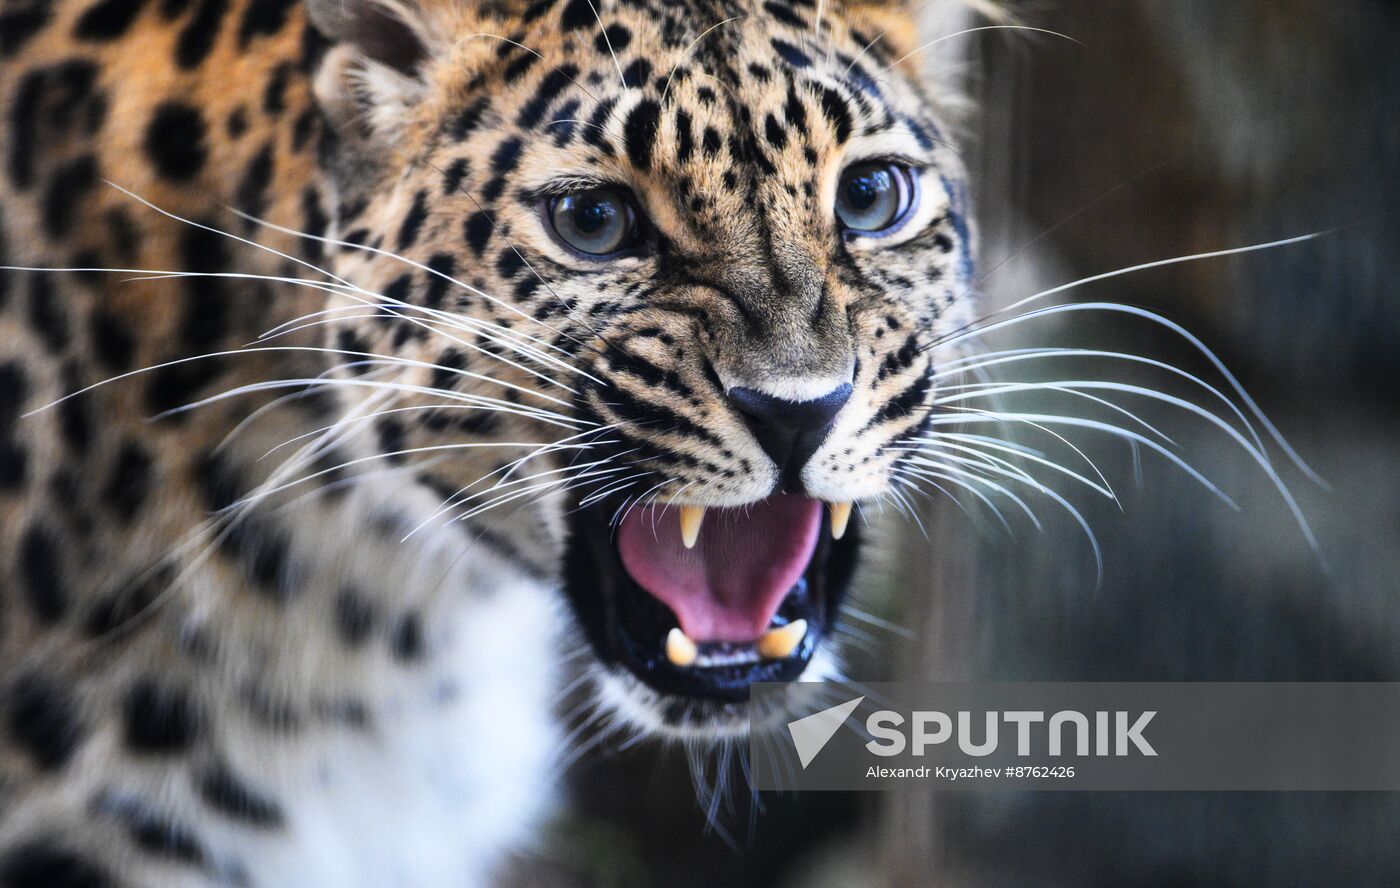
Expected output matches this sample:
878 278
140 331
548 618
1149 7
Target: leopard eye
599 222
875 197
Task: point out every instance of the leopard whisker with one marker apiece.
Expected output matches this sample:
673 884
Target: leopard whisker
389 412
501 303
880 622
1044 421
182 274
986 9
623 485
972 328
347 482
858 638
967 482
527 493
906 508
973 463
602 129
538 413
486 332
863 50
966 31
562 484
408 451
458 499
157 274
691 48
506 470
618 520
206 537
942 442
455 341
258 412
910 481
652 504
952 335
1014 447
1059 500
1261 459
228 234
1011 356
978 469
977 390
607 41
972 411
573 472
485 329
591 481
567 758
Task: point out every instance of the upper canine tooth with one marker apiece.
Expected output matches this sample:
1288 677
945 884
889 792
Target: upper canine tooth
691 517
840 517
782 641
680 650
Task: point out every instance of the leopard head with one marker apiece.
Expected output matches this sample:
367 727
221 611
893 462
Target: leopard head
672 272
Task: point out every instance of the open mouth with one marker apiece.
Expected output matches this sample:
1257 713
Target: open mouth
704 602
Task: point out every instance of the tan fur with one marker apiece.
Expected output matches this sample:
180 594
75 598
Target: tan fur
315 618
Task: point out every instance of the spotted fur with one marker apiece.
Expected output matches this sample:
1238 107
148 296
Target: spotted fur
224 668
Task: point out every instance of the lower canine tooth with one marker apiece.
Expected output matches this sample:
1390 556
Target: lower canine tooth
840 517
680 650
691 517
781 642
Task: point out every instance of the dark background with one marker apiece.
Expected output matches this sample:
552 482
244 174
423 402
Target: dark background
1177 127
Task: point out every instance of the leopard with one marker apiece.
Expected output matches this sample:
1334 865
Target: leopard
380 377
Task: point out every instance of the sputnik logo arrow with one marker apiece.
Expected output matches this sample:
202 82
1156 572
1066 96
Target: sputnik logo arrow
811 733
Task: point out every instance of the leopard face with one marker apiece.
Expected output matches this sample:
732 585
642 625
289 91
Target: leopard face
670 270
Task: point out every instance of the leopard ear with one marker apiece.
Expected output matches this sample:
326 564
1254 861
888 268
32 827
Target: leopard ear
374 75
387 32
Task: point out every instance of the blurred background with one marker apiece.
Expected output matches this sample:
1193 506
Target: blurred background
1171 128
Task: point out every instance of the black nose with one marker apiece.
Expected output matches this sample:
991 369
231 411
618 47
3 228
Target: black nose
789 431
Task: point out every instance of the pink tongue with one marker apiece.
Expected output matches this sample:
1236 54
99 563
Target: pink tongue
730 585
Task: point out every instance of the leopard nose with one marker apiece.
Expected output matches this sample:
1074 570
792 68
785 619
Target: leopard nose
789 431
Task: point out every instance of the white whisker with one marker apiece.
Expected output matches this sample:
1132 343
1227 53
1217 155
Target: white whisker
574 473
968 483
691 48
995 414
966 31
385 313
977 390
607 41
974 328
365 248
1018 355
941 441
1045 420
